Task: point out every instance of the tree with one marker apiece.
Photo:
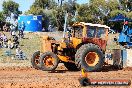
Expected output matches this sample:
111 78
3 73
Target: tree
129 15
126 4
10 7
91 12
99 11
116 12
84 13
35 10
1 16
66 7
44 4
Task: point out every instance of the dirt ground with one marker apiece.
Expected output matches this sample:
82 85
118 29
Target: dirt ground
19 74
27 77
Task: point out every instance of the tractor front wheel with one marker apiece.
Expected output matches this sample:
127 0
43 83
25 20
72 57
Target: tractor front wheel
49 61
35 60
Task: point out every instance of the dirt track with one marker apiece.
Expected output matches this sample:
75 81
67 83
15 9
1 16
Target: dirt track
27 77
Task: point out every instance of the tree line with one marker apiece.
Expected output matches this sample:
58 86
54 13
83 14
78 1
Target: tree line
53 11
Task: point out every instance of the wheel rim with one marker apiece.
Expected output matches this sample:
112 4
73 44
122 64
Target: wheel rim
92 58
49 61
37 59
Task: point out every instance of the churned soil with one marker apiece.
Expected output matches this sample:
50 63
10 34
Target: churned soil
28 77
20 74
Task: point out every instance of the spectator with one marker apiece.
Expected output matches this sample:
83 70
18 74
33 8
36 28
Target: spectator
0 40
10 44
20 54
3 39
13 32
108 56
18 51
13 27
22 28
15 41
6 27
50 28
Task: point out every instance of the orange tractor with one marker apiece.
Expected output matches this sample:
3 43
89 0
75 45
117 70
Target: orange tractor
83 47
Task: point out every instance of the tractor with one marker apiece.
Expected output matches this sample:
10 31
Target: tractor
83 46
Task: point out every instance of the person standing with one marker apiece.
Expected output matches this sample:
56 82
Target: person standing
13 27
5 40
49 28
22 28
10 44
15 41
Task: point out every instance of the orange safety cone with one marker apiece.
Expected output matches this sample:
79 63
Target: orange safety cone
83 73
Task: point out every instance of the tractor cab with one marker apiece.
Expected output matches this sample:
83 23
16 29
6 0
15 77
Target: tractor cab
90 30
91 33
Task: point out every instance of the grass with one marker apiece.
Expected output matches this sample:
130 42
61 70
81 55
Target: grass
29 45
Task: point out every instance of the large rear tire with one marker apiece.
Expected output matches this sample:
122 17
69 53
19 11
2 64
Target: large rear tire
77 58
49 61
35 60
90 57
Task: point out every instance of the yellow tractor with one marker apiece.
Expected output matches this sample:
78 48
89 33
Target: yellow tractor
83 47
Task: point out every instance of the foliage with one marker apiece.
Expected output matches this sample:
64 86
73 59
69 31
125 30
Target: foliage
67 7
96 11
44 4
113 5
127 4
1 16
129 15
10 7
116 12
35 11
84 13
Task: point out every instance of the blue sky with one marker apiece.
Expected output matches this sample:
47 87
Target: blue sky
25 4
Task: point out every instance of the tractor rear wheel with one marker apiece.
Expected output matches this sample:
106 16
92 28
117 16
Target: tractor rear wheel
35 60
71 66
49 61
90 57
